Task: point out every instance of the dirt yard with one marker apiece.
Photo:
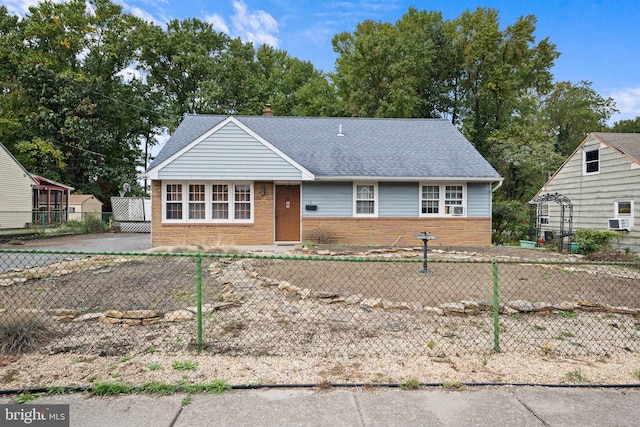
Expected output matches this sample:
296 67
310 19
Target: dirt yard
279 320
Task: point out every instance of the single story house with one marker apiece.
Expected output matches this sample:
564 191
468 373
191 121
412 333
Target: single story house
601 179
81 205
239 180
15 193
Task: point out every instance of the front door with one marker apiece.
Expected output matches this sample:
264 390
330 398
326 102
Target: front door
287 213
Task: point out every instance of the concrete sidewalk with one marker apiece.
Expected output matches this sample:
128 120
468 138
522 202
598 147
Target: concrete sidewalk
473 406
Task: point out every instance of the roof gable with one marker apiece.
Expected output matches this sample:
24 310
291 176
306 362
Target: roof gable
344 148
18 164
626 143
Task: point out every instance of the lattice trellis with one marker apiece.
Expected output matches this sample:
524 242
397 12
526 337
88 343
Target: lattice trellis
132 214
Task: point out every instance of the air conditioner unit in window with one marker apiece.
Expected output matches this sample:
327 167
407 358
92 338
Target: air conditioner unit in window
458 210
619 224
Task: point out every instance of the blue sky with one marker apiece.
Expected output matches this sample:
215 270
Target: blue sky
598 39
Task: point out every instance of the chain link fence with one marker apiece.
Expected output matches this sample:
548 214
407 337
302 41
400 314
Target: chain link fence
126 303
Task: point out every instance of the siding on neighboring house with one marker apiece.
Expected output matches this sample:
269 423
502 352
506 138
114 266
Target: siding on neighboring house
593 196
16 194
229 153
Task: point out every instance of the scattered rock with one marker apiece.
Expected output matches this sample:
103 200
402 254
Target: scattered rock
392 325
452 308
521 306
178 316
339 316
290 309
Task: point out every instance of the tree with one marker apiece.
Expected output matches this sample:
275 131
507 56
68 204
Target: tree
494 68
574 110
627 126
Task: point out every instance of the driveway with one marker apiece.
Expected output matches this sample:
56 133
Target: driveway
103 242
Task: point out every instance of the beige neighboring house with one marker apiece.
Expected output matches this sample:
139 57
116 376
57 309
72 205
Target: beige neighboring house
601 178
81 205
16 192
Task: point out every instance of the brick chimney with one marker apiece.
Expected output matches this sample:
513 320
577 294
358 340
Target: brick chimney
267 111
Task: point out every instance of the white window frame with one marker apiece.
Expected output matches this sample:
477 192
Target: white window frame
208 201
544 214
584 161
616 209
442 213
375 200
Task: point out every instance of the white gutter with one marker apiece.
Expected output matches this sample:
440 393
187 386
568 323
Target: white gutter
493 190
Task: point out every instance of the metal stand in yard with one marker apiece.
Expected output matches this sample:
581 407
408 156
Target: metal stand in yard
425 236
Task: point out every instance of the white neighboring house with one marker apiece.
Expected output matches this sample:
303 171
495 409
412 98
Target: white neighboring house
16 192
602 180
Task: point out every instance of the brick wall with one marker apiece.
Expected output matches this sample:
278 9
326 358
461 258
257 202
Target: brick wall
261 232
385 231
355 231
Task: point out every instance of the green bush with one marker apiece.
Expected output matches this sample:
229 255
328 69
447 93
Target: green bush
510 221
593 240
93 224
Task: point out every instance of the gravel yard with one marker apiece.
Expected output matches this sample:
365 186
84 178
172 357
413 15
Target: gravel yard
311 332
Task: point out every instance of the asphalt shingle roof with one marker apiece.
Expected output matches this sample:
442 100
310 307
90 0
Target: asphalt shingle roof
628 143
425 148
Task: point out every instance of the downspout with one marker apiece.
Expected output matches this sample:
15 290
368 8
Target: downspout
493 190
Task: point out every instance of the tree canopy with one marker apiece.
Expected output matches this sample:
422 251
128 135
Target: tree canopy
88 90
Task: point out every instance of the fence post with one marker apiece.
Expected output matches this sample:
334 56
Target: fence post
199 299
496 309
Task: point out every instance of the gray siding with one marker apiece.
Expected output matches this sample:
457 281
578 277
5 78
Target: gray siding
230 153
333 199
398 199
593 196
479 200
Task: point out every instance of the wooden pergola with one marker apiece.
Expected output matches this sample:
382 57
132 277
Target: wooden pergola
50 201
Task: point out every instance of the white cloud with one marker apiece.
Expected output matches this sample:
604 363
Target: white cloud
627 102
218 23
21 7
255 26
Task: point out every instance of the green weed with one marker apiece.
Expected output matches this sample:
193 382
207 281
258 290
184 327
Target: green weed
187 365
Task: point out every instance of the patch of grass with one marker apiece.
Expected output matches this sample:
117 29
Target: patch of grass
186 401
636 374
151 349
125 359
567 314
26 397
186 365
431 345
546 348
540 327
575 376
154 366
484 361
564 334
159 388
410 384
57 390
111 389
23 334
454 386
217 387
